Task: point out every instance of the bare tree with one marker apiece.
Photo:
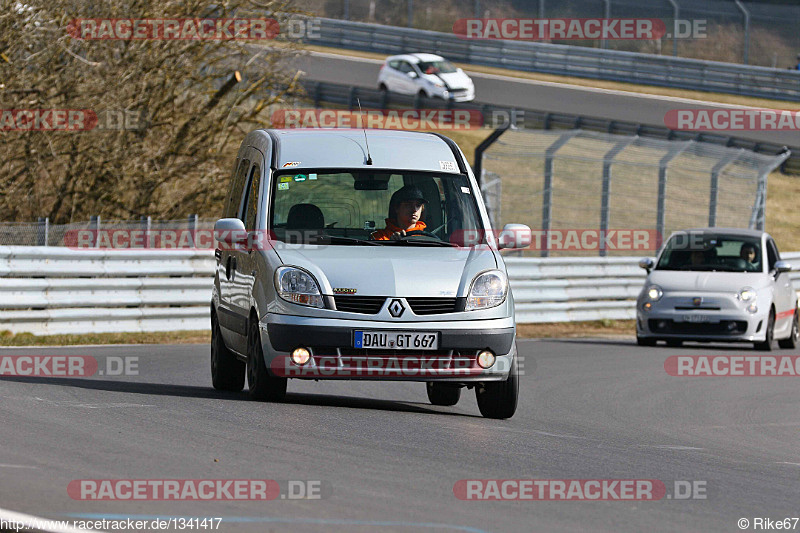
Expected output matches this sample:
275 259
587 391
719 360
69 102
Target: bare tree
184 106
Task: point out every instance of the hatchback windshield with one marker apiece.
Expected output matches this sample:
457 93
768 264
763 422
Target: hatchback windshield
711 252
436 67
343 207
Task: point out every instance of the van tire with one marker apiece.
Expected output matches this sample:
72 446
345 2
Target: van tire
498 399
445 394
227 371
261 386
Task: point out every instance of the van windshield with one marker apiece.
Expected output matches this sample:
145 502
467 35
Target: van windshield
711 252
343 207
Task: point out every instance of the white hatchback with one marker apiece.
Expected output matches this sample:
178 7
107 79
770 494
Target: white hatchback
718 284
428 75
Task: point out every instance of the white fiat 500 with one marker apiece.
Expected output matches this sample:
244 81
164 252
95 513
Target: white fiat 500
717 284
340 258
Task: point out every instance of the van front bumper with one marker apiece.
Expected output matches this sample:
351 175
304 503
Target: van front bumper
334 357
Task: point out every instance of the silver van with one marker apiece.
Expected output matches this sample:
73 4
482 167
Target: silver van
346 254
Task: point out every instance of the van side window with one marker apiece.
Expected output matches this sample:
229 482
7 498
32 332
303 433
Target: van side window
249 217
237 186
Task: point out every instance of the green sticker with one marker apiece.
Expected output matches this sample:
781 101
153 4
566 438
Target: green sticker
283 186
284 179
300 177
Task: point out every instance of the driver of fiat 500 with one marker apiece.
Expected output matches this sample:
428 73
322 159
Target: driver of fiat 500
405 210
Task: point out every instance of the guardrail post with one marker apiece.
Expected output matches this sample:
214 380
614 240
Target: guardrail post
353 96
605 213
42 229
547 192
317 93
144 221
714 189
94 227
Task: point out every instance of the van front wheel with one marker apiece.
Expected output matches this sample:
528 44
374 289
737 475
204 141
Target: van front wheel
498 399
261 386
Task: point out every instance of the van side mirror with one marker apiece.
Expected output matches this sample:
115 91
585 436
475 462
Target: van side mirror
230 231
514 236
647 263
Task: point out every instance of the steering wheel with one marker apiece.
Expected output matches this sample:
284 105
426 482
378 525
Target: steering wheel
421 232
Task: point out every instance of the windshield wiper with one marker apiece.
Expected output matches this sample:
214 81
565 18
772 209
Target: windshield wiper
406 241
325 239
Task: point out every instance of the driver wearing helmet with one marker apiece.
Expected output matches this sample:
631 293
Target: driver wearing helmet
405 210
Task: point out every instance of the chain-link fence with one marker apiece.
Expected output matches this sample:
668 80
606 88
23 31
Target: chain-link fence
582 185
757 33
142 233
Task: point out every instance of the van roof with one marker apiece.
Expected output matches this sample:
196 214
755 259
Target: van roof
345 148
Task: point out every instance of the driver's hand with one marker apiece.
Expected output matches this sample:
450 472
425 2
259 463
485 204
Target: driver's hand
396 236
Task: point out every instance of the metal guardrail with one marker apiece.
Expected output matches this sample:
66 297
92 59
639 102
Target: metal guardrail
585 62
533 119
47 290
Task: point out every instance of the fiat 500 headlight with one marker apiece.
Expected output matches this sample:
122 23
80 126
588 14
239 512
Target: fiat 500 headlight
747 294
654 293
298 286
488 290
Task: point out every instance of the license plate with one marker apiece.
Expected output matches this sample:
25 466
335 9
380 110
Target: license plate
698 318
396 340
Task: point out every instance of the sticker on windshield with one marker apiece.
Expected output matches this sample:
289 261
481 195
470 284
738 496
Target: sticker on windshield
283 186
447 165
300 177
284 179
465 190
312 176
291 164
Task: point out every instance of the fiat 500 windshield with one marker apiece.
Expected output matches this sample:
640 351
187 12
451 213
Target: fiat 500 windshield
374 208
711 253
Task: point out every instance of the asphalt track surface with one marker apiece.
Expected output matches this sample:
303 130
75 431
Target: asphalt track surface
388 460
542 96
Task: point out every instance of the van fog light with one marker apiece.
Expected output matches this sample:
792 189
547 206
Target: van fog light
300 356
486 359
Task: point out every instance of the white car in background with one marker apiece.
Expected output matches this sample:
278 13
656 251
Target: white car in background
717 284
428 75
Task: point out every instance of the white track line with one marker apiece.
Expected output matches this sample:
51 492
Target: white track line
43 524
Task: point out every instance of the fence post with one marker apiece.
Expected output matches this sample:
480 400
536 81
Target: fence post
606 14
605 214
42 229
94 227
714 189
477 9
410 13
193 229
144 221
662 187
746 15
346 9
677 14
547 190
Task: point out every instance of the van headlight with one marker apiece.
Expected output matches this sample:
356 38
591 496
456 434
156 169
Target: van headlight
488 290
298 287
747 294
654 293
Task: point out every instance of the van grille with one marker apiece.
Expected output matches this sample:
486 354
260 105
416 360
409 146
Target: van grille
432 306
367 305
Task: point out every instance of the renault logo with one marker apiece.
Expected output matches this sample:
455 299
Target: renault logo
396 308
697 301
